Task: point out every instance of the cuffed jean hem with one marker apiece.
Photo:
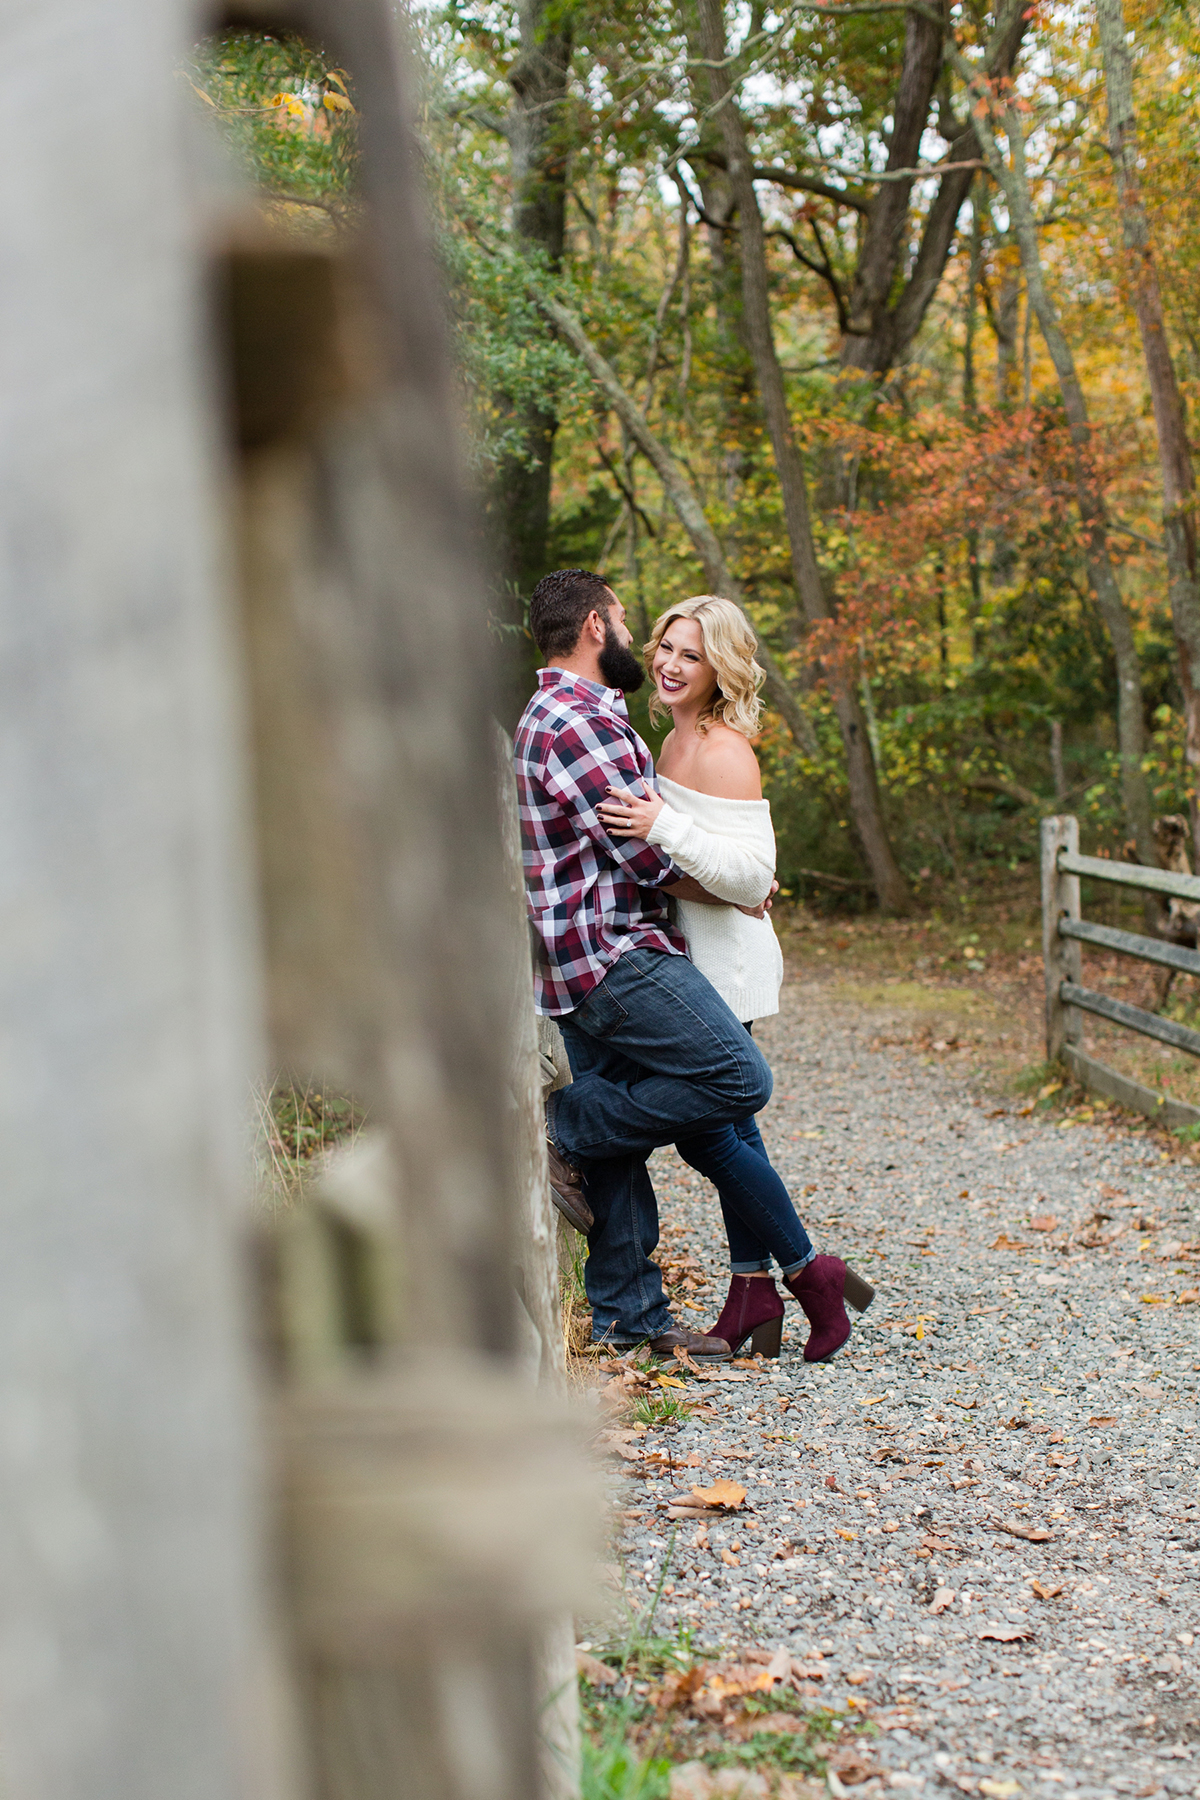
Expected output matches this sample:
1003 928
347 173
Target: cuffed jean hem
760 1268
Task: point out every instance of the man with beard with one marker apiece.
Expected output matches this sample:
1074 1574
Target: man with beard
655 1052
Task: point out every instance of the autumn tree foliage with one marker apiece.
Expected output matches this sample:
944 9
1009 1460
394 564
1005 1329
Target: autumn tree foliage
936 598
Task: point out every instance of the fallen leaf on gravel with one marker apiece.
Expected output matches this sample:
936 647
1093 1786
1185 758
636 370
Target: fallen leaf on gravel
680 1509
1043 1222
831 1481
1061 1462
783 1724
930 1542
780 1665
856 1677
807 1671
1102 1419
593 1670
1191 1298
889 1453
1147 1390
1152 1300
999 1790
848 1535
1004 1242
725 1495
941 1600
1050 1591
967 1405
851 1766
1005 1634
680 1687
1033 1534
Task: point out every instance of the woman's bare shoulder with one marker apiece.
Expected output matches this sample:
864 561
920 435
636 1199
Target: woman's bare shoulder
726 765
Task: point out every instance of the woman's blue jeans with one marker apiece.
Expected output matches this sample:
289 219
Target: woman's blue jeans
760 1220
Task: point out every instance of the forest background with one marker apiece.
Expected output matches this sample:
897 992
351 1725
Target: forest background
848 311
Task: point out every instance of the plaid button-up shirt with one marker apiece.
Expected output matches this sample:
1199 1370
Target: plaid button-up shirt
590 896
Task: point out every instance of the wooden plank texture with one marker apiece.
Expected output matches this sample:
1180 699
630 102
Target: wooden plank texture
1060 957
1098 1078
130 1580
1134 875
1132 943
1134 1017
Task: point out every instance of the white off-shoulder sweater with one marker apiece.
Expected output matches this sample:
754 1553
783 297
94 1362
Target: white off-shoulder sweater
729 846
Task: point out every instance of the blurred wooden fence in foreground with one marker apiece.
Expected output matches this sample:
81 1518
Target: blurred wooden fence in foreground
250 818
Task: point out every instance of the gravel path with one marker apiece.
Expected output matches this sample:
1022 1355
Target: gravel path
1013 1372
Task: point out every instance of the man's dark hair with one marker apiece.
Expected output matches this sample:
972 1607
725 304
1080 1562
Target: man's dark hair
561 602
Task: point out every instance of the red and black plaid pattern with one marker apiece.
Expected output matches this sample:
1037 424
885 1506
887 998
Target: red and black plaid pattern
590 896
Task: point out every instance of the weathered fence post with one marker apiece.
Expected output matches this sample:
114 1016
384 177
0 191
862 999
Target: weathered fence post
430 1519
437 1518
1060 956
132 1586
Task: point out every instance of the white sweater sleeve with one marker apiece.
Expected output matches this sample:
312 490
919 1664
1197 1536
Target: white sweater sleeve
735 871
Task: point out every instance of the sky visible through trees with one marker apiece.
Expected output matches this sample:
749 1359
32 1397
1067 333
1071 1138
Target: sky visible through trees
898 303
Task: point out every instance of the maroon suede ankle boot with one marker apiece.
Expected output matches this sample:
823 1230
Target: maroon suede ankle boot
821 1287
753 1309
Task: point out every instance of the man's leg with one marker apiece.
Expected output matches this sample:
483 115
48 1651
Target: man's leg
686 1063
624 1288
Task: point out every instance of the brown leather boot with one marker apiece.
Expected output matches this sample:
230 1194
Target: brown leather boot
696 1344
566 1189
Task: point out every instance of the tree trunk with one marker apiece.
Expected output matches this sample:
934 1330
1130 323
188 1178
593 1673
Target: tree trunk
688 509
889 297
536 128
865 802
1013 179
1174 451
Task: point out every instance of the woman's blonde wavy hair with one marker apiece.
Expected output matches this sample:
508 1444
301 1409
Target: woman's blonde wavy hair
729 645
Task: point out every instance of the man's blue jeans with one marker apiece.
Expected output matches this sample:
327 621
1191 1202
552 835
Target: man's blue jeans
656 1055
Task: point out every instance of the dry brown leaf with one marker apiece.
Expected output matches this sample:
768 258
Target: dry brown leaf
851 1766
1048 1591
1058 1461
726 1496
593 1670
802 1671
1033 1534
1005 1634
941 1600
681 1687
856 1677
1043 1222
1190 1298
1102 1419
783 1724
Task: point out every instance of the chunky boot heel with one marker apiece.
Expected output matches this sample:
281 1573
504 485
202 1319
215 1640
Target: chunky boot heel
767 1340
858 1292
753 1312
821 1287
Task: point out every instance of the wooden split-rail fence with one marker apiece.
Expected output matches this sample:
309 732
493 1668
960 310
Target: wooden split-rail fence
1065 931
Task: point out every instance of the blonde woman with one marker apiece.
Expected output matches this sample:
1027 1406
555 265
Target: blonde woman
712 821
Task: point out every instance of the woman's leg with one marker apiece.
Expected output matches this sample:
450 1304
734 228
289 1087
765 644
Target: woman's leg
760 1220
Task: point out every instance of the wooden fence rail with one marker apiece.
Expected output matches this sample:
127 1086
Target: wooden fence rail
1067 998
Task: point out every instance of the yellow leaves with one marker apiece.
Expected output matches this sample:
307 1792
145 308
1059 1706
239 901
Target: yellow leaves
724 1496
290 104
336 103
670 1381
1048 1590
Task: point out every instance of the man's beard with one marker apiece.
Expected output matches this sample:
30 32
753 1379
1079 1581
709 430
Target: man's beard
619 666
